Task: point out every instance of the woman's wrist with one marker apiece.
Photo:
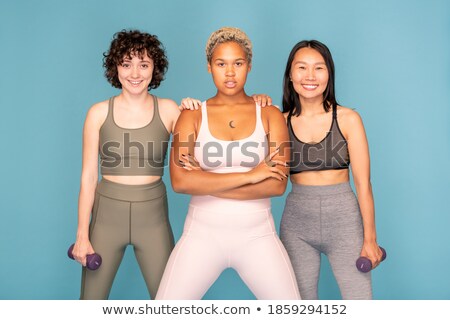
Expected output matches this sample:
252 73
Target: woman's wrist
82 235
370 239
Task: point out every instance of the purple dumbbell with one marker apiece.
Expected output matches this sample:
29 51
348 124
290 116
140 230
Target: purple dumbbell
364 264
93 261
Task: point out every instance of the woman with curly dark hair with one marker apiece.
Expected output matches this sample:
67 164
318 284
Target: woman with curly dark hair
130 133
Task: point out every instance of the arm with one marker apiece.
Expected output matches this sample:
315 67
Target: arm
198 182
89 179
360 165
277 137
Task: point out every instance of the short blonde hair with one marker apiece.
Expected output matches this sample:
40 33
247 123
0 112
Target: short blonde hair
227 34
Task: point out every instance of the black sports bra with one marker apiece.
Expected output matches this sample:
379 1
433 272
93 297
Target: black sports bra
329 154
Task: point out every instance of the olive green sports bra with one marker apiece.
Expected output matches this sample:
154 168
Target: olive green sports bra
133 152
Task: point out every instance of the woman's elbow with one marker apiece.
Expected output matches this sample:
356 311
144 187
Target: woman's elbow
279 189
89 179
179 185
363 185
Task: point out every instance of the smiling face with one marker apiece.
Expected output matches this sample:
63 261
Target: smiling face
229 68
309 74
135 74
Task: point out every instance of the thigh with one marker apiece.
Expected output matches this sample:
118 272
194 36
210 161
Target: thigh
353 284
152 238
264 265
300 233
194 264
268 272
109 237
305 261
344 239
302 215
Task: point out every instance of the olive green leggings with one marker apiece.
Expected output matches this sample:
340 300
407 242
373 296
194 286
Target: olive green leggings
128 215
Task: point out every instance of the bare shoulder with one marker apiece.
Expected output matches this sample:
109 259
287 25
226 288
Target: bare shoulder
348 116
273 120
350 122
167 106
97 113
191 115
271 111
167 103
189 119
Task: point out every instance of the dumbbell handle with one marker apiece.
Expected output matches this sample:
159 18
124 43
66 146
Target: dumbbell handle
364 264
93 261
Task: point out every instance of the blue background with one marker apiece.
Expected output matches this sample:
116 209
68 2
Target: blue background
392 63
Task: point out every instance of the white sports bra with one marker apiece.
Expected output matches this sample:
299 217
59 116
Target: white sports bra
222 156
241 155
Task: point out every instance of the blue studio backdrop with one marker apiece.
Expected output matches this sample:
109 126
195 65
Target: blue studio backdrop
392 64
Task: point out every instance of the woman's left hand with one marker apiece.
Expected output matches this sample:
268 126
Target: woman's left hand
372 251
262 99
189 162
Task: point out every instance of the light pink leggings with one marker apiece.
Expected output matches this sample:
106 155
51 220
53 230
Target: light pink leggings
228 237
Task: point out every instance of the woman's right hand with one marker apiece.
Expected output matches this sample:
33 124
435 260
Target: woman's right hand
268 169
189 103
81 249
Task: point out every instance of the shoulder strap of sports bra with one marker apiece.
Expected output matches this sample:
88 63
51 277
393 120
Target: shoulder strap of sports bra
258 110
204 122
155 105
334 112
288 122
203 131
259 121
109 116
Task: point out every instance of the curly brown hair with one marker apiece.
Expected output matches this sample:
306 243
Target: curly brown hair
134 42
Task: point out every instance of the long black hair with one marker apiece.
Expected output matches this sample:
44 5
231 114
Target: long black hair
291 102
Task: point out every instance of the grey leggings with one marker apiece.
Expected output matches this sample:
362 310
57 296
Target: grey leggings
128 215
325 219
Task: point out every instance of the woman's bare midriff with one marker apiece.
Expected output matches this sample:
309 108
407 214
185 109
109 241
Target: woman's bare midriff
132 180
320 178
